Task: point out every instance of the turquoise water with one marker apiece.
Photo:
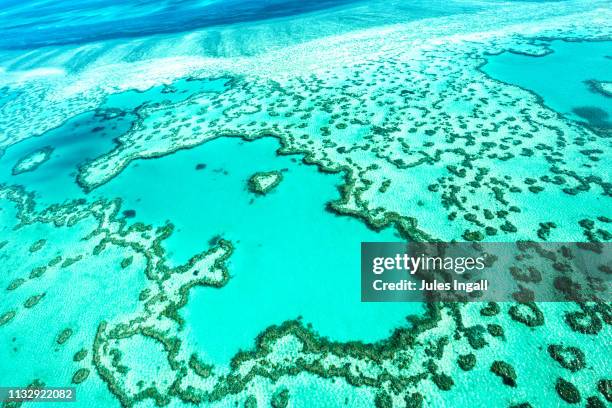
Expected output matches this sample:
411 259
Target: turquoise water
288 260
86 137
293 259
559 78
61 24
82 138
78 297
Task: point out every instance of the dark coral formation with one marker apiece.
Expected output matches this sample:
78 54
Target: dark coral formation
568 357
567 391
256 182
467 361
527 313
505 371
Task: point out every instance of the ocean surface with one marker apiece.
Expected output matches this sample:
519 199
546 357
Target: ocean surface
562 78
138 265
214 202
86 21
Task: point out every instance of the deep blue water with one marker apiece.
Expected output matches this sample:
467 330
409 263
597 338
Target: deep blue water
52 23
38 23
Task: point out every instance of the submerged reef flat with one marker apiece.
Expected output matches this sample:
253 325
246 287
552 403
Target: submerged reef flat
423 139
445 152
263 182
32 161
604 88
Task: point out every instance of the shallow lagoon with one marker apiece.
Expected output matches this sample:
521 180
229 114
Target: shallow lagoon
87 136
220 321
560 77
288 259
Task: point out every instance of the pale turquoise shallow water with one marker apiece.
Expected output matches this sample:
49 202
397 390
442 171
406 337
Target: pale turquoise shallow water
86 137
289 260
559 78
292 257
